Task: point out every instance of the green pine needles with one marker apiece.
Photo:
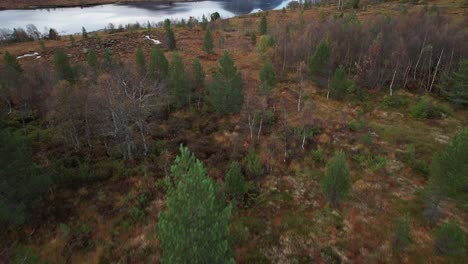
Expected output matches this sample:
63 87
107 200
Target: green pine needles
336 184
194 227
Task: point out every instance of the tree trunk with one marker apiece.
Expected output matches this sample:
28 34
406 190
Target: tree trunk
436 69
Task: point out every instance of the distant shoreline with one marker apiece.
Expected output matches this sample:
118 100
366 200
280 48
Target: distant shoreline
33 4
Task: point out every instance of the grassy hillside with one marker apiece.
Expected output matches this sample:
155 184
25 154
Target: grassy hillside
105 199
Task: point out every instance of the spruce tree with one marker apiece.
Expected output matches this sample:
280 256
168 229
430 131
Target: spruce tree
208 43
318 62
194 227
178 82
401 234
336 184
62 67
198 73
12 65
84 33
158 67
253 164
171 42
449 169
140 61
225 93
234 183
267 78
92 59
458 93
339 84
263 25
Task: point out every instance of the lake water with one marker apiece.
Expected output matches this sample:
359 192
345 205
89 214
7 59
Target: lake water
71 19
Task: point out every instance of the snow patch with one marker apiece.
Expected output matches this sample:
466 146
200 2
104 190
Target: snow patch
155 41
256 10
35 54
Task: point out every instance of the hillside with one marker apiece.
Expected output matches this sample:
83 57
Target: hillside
376 82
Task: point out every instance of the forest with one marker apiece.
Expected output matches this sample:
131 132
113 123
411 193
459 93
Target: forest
327 132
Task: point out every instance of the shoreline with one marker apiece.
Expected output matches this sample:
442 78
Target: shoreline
78 3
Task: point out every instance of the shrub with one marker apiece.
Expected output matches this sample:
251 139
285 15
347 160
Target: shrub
450 239
265 43
458 93
394 101
318 156
426 109
339 84
267 78
355 125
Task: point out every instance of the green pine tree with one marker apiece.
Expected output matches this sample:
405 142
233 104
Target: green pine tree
318 62
107 61
253 165
208 43
179 85
339 84
22 182
158 66
198 73
336 184
92 59
84 33
401 234
171 41
204 22
63 69
140 60
449 169
263 26
450 239
225 93
267 78
194 227
234 183
458 93
12 66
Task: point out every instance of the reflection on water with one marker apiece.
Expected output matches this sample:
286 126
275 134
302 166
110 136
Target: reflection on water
70 20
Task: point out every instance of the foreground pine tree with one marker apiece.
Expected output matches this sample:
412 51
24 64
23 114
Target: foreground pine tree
198 73
158 66
92 59
336 184
63 69
458 92
179 84
234 183
194 227
225 93
339 84
450 239
267 78
319 61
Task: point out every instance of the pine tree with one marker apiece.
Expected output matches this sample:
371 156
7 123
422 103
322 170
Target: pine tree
339 84
204 22
72 40
194 227
22 182
208 43
158 67
92 59
167 24
107 61
263 26
253 164
234 183
336 184
401 234
12 65
171 41
449 169
62 67
450 239
140 60
458 93
267 78
318 62
225 93
178 82
198 73
84 33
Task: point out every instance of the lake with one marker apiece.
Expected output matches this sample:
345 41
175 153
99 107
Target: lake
71 19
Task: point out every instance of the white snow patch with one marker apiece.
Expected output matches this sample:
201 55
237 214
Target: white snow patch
35 54
256 10
155 41
38 57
